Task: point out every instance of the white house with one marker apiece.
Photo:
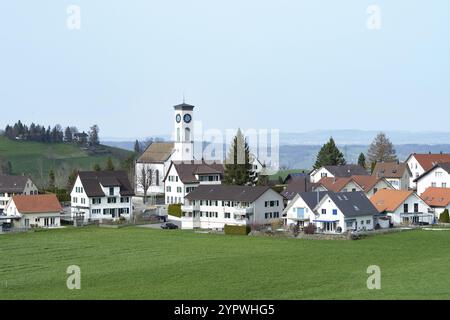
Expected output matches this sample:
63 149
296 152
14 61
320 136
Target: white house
14 185
214 206
300 210
183 177
402 207
101 195
438 199
343 171
344 211
156 159
34 210
421 163
397 174
437 177
367 184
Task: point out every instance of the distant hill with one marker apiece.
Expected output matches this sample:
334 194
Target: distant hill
37 159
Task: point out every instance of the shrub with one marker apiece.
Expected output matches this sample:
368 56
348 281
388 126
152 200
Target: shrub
237 230
310 229
174 210
444 217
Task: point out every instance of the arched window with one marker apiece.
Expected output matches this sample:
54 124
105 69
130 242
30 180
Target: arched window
187 135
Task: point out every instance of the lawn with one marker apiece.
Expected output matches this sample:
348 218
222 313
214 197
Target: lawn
138 263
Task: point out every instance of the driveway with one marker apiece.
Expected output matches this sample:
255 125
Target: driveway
158 225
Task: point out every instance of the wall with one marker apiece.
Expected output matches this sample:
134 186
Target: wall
317 175
425 182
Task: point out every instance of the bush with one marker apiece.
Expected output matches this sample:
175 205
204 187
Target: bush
310 229
444 217
174 210
237 230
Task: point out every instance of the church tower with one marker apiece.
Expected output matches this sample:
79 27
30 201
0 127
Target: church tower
184 138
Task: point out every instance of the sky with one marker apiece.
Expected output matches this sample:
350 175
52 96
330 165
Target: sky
294 65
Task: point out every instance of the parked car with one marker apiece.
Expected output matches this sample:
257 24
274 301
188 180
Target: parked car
169 225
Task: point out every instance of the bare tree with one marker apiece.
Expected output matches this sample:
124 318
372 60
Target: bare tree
381 150
145 179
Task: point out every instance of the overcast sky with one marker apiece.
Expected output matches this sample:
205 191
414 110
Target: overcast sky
291 65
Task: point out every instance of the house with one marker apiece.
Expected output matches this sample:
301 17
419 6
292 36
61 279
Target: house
297 184
34 210
421 163
157 158
367 184
14 185
300 210
437 177
402 207
344 211
343 171
397 174
438 199
214 206
183 177
80 137
101 195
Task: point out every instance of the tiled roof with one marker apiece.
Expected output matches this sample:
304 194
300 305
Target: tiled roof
428 161
227 193
92 181
12 184
436 197
188 170
157 152
390 170
337 184
353 204
297 185
347 170
389 200
37 203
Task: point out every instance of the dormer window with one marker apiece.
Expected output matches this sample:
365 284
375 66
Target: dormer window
111 191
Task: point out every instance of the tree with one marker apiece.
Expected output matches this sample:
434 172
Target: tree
109 165
444 217
128 164
362 160
238 168
5 167
145 180
329 155
381 150
51 181
97 167
68 135
137 147
93 135
71 179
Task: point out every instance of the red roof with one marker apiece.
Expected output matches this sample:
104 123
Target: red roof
42 203
436 197
428 161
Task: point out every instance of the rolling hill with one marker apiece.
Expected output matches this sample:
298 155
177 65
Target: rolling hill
37 159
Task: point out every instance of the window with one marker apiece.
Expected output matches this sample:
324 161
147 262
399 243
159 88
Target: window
179 189
168 189
367 221
405 208
324 211
111 191
227 215
323 175
276 214
444 185
96 200
375 190
433 184
75 200
96 211
416 207
334 212
438 174
111 200
125 200
362 222
83 200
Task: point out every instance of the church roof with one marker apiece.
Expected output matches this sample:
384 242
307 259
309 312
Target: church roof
184 106
157 152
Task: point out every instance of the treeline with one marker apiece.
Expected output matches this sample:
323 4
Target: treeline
40 133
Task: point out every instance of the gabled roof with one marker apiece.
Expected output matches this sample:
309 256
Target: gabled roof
227 193
391 170
93 180
428 161
366 183
436 197
187 171
297 185
157 152
292 176
310 198
444 166
334 184
390 200
43 203
352 204
12 184
347 170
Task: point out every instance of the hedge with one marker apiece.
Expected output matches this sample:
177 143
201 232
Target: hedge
239 230
174 210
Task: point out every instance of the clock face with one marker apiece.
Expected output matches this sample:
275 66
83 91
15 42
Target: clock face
178 118
187 118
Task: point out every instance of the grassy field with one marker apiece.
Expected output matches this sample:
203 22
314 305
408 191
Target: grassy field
284 173
37 159
138 263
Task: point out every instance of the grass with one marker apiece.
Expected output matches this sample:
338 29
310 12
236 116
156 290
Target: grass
37 159
284 173
138 263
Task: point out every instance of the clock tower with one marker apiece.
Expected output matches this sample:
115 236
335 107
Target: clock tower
184 138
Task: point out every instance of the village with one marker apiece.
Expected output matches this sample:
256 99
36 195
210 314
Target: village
172 189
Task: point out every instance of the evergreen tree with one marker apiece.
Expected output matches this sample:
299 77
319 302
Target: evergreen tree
381 150
93 135
238 168
68 135
362 160
444 217
137 147
97 167
329 155
109 165
51 181
71 180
